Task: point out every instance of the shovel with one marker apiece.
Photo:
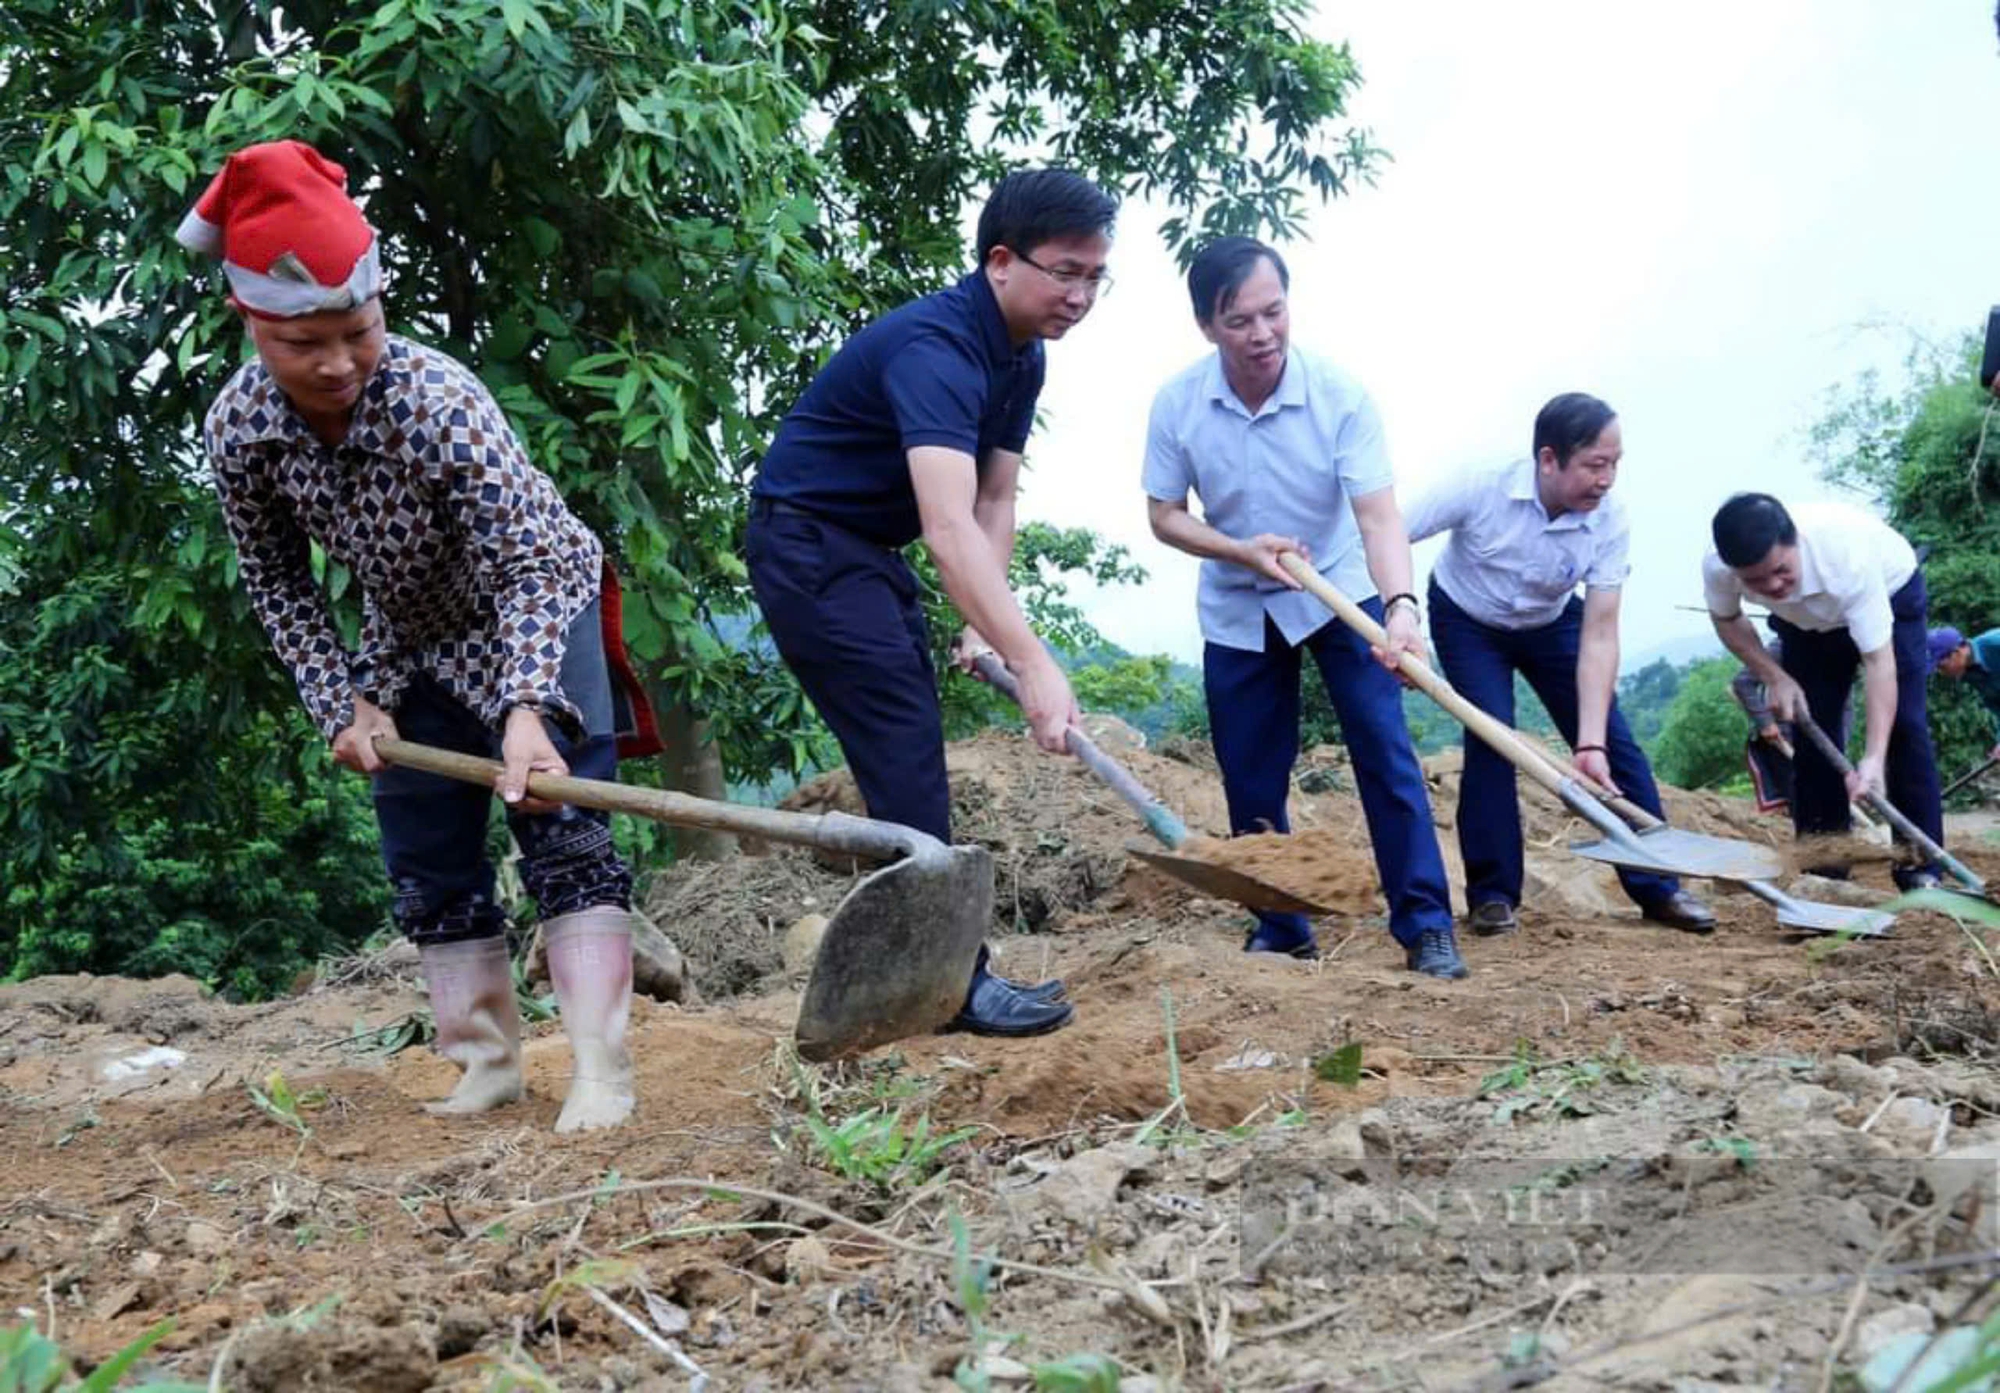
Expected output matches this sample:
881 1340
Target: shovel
1871 830
898 952
1648 843
1969 775
1893 815
1220 881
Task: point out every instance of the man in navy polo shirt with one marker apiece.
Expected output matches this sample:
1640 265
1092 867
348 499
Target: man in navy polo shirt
914 430
1287 454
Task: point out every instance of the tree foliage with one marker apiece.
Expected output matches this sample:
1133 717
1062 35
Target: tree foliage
644 223
1924 454
1701 737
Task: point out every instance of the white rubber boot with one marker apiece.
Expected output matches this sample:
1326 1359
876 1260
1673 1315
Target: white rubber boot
478 1023
590 965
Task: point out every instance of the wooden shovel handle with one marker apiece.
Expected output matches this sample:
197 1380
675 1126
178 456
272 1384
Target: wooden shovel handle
836 832
1160 820
1888 811
1868 824
1502 737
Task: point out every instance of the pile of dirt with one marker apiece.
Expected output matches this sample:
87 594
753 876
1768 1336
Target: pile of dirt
1708 1089
729 918
1321 867
1058 840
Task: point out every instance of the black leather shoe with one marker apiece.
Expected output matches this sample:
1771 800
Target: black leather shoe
995 1007
1491 918
1435 954
1290 943
1910 878
1682 911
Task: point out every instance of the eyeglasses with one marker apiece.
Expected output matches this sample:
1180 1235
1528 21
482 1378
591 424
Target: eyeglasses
1092 285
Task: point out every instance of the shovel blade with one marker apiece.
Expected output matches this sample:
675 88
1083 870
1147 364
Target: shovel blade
1672 851
897 956
1225 883
1813 916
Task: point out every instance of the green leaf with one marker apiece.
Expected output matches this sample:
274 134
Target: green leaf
515 14
509 339
1341 1066
542 235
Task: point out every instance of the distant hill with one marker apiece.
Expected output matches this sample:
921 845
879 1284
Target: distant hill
1677 651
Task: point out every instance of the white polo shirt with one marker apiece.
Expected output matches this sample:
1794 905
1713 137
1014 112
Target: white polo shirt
1850 563
1292 468
1508 563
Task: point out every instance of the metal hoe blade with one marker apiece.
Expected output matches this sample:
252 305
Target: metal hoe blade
1672 851
898 953
1225 883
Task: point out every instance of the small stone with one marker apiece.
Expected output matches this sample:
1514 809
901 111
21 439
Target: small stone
807 1260
1342 1144
1910 1123
1965 1175
658 970
1140 1383
460 1329
115 1302
1084 1189
1376 1133
1855 1078
1769 1106
1885 1327
205 1238
800 946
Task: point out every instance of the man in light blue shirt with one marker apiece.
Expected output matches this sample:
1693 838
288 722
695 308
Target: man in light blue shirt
1503 597
1287 455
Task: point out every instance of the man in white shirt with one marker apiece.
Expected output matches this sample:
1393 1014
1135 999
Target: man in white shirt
1287 454
1503 597
1845 592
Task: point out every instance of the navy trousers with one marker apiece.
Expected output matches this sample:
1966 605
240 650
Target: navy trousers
1824 663
1481 660
434 828
1253 717
844 613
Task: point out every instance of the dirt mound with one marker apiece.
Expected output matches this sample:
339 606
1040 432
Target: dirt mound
1320 867
729 918
1698 1088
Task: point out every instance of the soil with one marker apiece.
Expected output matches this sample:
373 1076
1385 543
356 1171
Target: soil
1319 866
1743 1095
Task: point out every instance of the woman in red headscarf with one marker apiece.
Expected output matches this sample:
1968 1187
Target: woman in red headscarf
481 616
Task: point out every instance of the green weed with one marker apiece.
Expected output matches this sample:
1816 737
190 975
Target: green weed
30 1362
278 1102
1534 1087
1079 1373
877 1146
1341 1066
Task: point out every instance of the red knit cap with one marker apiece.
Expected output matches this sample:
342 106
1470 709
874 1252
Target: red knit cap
291 241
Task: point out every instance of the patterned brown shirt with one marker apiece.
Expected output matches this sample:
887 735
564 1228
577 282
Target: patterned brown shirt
470 566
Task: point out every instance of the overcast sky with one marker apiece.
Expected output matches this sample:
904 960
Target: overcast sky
1689 210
